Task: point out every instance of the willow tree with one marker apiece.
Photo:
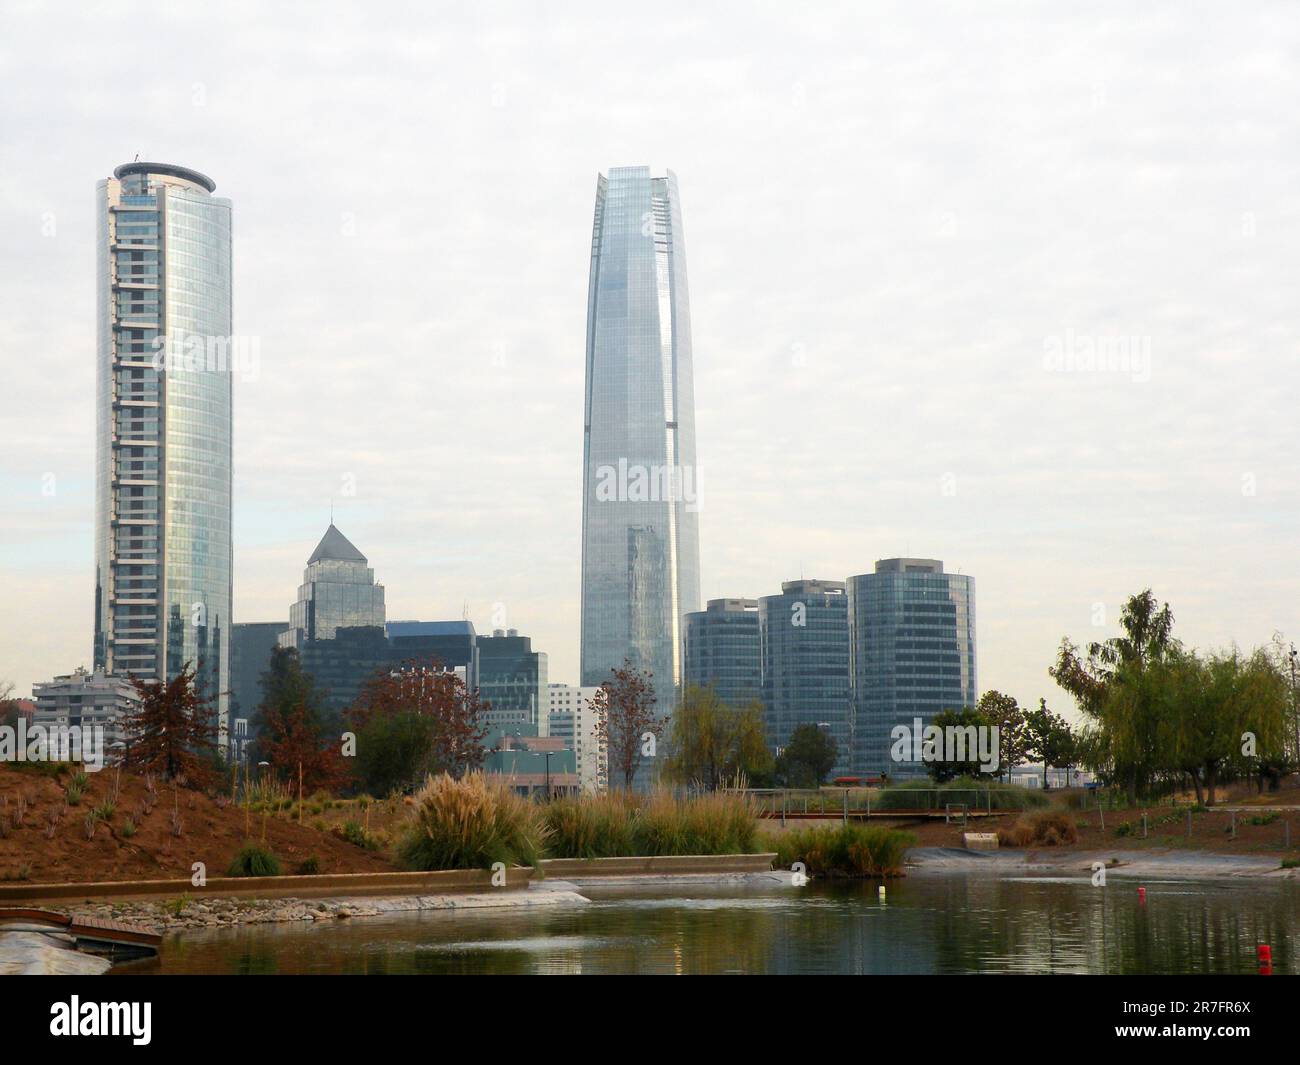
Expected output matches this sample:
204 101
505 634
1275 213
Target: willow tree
1115 685
713 742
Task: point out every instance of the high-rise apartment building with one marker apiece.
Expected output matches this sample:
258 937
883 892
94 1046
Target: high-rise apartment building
912 653
640 537
164 360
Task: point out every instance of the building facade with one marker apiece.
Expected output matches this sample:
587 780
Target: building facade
250 656
804 637
912 653
164 361
640 531
723 648
85 699
338 591
512 677
572 720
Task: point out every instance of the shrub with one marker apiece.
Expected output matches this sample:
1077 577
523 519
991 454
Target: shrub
73 793
471 823
852 850
105 809
591 826
309 866
254 859
356 835
128 828
1049 828
721 822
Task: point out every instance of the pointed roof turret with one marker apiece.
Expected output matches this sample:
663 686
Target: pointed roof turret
335 547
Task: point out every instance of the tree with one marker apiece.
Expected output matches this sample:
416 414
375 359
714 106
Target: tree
394 752
808 757
1113 688
714 742
1013 739
171 731
625 716
944 768
448 739
1048 738
286 688
1222 712
296 745
8 705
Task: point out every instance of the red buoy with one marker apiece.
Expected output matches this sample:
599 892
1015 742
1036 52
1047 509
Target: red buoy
1142 895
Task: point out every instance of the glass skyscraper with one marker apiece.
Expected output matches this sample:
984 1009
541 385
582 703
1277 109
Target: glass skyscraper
640 533
805 654
162 427
338 591
912 648
722 649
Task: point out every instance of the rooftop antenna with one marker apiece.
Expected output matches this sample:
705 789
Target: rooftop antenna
137 157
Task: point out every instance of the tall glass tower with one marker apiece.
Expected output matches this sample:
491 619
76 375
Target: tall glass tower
162 427
911 654
640 503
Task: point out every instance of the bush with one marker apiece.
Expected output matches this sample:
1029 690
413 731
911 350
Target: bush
254 859
73 793
591 826
309 866
720 822
1048 828
851 850
353 832
471 823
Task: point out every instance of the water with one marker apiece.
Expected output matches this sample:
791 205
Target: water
937 922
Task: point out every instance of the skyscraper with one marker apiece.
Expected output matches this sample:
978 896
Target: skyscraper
912 653
723 649
805 647
640 535
162 428
338 591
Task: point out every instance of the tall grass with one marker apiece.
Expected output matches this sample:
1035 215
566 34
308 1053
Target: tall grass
472 823
620 824
720 822
592 826
254 859
851 850
1047 828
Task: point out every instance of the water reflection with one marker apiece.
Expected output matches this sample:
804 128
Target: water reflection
934 922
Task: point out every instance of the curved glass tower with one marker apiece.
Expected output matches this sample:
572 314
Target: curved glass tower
163 413
640 532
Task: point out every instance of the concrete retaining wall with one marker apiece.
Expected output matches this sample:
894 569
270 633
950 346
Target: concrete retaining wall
450 881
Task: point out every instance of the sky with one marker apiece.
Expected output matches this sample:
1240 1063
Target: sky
910 229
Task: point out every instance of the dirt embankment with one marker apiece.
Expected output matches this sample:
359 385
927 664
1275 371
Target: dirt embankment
210 832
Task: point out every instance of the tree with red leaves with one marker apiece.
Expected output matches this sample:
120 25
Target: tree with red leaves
295 740
172 731
625 715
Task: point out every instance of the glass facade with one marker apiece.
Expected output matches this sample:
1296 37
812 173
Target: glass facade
513 678
338 591
163 582
640 534
723 649
804 635
912 645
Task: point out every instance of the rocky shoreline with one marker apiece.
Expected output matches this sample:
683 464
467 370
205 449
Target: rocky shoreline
214 913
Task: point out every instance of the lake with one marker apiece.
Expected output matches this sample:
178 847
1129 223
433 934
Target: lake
931 922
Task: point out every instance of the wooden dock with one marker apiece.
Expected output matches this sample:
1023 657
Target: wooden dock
97 936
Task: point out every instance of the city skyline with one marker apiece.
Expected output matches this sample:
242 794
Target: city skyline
838 345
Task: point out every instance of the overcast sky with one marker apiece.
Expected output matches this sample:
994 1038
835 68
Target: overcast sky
897 219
